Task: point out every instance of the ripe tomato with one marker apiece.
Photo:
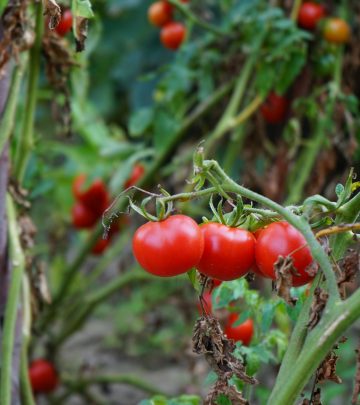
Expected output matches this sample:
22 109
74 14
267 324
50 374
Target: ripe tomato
241 333
228 252
43 376
336 31
172 35
160 13
282 239
136 174
169 247
274 109
95 198
310 14
65 23
100 246
83 217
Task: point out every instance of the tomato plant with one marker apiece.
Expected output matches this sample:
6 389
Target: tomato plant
336 31
172 35
169 247
65 24
310 14
43 376
239 333
160 13
282 239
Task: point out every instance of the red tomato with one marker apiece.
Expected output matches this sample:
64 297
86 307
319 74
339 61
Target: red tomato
100 246
96 197
169 247
241 333
83 217
216 282
65 23
336 31
160 13
282 239
172 35
310 14
228 252
274 109
43 376
136 174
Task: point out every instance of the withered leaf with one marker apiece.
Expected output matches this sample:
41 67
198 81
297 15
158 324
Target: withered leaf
327 369
356 390
81 31
314 400
350 267
221 387
317 307
53 11
284 271
209 340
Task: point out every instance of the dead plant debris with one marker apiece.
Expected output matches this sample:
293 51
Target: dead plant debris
317 307
284 271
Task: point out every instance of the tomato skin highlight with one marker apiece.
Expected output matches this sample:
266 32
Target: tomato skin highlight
172 35
95 198
281 239
43 376
83 217
160 13
228 252
65 23
336 31
136 174
274 109
169 247
310 14
241 333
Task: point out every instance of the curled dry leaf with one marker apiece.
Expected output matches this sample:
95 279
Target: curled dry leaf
284 270
209 340
356 390
317 307
350 267
53 11
81 30
327 369
315 398
16 34
221 387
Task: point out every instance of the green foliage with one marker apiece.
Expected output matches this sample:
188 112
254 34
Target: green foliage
182 400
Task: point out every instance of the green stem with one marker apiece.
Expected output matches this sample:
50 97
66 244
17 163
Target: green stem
26 140
185 10
317 251
334 323
8 119
17 263
134 381
97 298
26 390
295 10
3 5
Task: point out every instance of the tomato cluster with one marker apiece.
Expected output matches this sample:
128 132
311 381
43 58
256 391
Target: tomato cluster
172 32
43 376
175 245
91 202
334 30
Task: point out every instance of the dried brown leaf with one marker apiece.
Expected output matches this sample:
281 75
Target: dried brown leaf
317 307
81 31
327 369
284 271
221 387
53 11
350 267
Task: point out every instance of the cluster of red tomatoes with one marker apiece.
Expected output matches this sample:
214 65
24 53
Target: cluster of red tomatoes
172 32
334 30
91 202
177 244
43 376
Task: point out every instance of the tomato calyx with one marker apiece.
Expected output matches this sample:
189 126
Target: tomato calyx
232 219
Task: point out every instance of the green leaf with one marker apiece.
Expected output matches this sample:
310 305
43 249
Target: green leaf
83 9
339 189
140 121
165 128
223 400
192 274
